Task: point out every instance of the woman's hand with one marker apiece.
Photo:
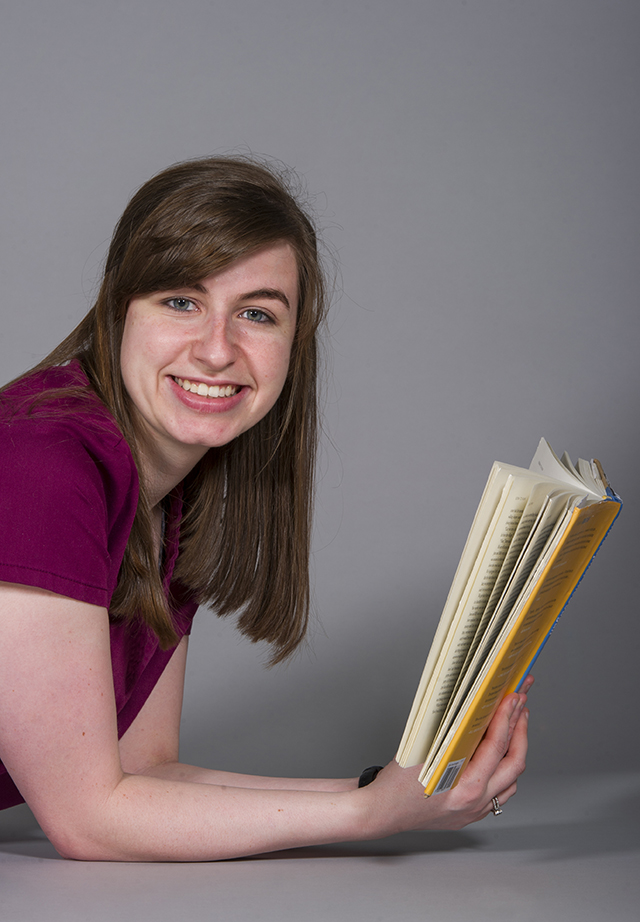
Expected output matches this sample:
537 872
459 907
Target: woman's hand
396 801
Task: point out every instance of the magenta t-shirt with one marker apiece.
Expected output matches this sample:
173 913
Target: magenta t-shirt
68 496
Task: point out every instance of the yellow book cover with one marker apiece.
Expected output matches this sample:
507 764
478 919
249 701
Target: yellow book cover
519 642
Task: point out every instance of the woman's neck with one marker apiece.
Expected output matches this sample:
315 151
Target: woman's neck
161 471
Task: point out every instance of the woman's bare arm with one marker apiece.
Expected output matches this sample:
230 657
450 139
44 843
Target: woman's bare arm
151 744
58 740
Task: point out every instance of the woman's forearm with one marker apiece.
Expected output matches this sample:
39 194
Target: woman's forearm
156 819
178 771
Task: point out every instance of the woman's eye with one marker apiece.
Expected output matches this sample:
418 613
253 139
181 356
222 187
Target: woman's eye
258 316
180 304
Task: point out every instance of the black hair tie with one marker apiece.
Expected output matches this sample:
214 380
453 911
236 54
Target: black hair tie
369 775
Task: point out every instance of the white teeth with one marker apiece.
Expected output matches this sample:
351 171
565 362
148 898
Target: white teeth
203 390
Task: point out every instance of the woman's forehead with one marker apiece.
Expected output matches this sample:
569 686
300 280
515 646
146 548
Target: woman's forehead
271 272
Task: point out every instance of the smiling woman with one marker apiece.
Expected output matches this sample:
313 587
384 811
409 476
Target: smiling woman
230 342
178 428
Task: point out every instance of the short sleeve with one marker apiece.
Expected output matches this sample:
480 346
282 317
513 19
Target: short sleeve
68 496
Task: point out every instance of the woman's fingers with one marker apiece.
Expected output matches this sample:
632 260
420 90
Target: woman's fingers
526 685
504 796
513 764
501 756
495 744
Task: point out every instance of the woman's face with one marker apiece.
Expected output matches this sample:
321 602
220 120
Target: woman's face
204 364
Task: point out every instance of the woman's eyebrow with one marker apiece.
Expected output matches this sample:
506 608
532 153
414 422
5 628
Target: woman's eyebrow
271 294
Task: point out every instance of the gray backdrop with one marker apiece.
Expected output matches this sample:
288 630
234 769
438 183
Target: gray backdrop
474 166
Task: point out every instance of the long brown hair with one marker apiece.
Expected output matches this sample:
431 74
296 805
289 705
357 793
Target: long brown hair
245 534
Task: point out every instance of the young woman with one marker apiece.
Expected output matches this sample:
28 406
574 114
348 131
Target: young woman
162 457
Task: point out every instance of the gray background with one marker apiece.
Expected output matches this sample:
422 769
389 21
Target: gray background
474 167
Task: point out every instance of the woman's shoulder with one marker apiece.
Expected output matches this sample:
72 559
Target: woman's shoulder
53 427
49 392
54 378
68 487
55 405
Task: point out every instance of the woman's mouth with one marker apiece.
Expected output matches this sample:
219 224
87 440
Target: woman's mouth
207 390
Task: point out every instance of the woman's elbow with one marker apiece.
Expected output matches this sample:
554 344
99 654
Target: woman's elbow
81 837
77 845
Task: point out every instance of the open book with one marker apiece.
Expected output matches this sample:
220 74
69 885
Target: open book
534 534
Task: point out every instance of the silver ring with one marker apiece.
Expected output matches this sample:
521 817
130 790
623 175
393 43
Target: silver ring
496 809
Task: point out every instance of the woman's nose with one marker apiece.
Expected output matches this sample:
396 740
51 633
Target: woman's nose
215 345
